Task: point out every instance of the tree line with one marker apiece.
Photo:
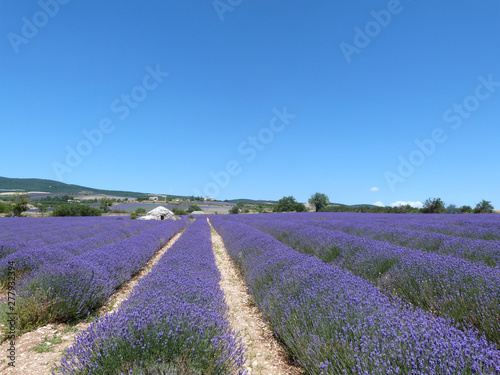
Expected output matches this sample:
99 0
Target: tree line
321 203
318 201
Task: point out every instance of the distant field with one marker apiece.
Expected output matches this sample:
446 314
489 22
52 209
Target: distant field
207 207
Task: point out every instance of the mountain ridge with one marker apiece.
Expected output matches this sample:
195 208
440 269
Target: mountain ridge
56 187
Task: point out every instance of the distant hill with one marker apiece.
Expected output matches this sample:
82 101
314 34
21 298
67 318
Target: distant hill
56 187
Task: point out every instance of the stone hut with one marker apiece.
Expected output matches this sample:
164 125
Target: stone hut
159 213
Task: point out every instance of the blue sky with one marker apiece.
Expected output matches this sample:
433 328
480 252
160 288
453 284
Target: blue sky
258 99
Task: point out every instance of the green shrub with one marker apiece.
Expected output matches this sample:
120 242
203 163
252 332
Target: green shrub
76 210
193 207
289 204
179 211
433 206
5 208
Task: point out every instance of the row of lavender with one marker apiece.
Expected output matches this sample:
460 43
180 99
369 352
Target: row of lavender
334 322
474 249
74 287
456 288
55 241
174 321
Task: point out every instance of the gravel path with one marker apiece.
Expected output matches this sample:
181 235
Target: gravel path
265 355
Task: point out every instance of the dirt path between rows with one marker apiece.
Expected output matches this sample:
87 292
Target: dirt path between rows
37 351
265 355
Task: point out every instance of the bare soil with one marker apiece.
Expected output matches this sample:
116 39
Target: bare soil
36 352
265 354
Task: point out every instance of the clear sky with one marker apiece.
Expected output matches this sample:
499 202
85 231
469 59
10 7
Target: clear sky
365 101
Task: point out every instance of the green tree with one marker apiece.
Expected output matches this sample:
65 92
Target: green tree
289 204
178 211
319 200
433 206
451 209
75 209
106 203
465 210
234 210
140 210
483 207
20 204
403 209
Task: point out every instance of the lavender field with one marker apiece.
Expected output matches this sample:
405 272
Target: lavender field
344 293
333 321
63 269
